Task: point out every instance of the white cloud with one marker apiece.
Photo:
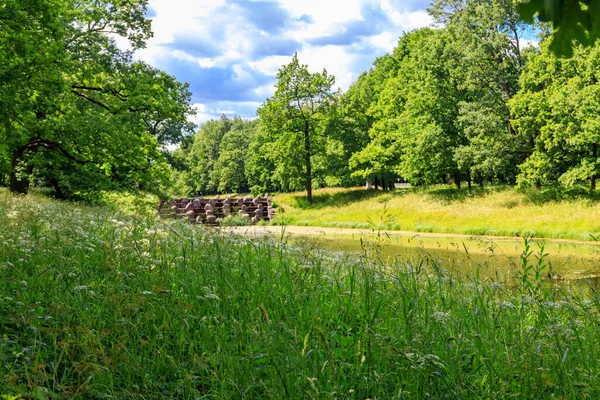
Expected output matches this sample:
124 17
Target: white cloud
406 20
384 42
529 43
347 35
269 65
335 59
206 112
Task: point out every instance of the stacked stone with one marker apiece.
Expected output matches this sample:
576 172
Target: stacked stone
227 206
244 211
271 213
200 210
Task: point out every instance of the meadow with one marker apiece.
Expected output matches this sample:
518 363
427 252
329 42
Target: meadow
496 211
97 303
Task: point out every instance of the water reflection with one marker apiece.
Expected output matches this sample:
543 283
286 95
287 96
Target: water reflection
493 259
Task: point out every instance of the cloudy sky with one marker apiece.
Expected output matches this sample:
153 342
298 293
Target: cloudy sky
230 50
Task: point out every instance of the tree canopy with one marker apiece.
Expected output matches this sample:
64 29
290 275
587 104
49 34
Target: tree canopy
572 20
78 113
464 101
294 118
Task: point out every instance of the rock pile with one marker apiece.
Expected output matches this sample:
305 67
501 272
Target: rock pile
212 211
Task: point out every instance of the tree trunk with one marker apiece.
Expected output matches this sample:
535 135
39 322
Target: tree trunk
480 180
593 177
308 169
58 193
383 187
376 183
19 185
457 180
469 179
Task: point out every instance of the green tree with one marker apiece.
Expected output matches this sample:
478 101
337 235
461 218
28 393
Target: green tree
214 159
349 127
80 113
487 60
204 154
230 169
414 132
260 163
558 112
572 20
295 118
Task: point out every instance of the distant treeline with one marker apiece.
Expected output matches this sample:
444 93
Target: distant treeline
467 102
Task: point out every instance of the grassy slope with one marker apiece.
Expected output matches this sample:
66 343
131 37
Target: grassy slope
99 304
571 214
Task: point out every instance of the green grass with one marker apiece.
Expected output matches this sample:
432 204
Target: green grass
100 304
497 211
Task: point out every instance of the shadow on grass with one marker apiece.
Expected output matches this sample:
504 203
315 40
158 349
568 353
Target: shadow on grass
559 193
449 195
322 200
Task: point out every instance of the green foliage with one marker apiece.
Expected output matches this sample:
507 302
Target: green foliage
294 119
80 115
573 21
557 111
215 161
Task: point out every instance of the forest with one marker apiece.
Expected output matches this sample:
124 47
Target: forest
468 101
486 95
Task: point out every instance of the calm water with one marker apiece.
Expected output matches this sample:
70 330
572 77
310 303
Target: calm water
499 259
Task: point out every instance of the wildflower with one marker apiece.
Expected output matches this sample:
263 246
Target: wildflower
503 305
440 316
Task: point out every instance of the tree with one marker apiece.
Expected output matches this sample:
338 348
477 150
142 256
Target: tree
572 20
351 123
215 159
487 60
295 116
229 170
414 132
203 155
260 163
79 112
558 112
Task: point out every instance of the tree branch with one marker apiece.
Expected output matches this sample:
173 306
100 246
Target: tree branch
97 102
50 145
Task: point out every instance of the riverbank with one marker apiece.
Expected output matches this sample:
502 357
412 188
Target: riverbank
495 211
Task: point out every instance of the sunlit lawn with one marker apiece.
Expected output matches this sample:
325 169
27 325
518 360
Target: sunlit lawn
573 214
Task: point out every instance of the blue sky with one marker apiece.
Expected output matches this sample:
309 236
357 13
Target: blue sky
230 50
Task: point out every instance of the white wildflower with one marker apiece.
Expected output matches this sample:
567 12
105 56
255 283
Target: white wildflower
440 316
503 305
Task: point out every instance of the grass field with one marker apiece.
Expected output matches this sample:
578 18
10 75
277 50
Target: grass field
497 211
99 304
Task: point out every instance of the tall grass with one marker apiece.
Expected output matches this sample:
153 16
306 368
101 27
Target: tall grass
99 304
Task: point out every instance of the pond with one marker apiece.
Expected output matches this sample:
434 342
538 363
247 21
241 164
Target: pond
493 258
